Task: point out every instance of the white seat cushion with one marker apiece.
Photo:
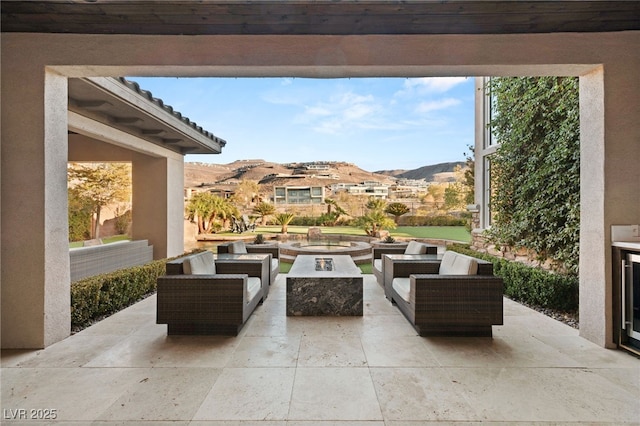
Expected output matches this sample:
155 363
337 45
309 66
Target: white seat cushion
415 247
377 264
238 247
402 286
199 264
457 264
275 264
253 288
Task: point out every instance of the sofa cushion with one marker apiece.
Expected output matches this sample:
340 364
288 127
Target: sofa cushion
275 265
377 265
254 285
415 247
238 247
199 264
457 264
402 286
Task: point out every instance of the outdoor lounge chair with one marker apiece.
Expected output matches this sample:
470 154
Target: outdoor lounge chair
199 296
240 247
413 247
455 296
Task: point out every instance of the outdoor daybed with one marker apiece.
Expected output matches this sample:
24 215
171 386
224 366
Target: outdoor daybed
413 247
200 296
455 296
240 247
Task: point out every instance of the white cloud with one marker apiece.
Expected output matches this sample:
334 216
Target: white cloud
429 85
430 106
341 112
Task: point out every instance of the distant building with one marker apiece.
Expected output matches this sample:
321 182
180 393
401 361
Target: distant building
318 167
298 195
376 191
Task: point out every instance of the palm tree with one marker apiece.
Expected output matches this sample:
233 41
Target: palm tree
397 210
376 204
264 209
375 221
205 207
284 219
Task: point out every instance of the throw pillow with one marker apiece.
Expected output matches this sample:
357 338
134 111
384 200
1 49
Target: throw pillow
457 264
238 247
415 247
199 264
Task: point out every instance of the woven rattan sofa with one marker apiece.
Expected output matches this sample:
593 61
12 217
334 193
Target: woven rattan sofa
240 247
200 296
412 247
455 296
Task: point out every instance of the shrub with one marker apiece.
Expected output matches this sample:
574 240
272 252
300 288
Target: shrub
102 295
530 284
442 220
304 221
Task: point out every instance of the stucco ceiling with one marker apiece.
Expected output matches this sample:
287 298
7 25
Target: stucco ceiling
298 17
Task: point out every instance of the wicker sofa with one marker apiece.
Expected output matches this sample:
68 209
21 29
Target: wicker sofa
200 296
240 247
412 247
455 296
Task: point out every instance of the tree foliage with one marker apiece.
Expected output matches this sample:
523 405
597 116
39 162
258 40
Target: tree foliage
283 220
80 213
536 169
397 210
102 183
375 219
264 209
209 210
247 192
333 214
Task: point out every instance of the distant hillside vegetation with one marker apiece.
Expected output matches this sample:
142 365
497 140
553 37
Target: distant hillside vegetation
427 172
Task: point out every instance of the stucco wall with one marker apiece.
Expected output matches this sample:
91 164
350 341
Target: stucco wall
609 64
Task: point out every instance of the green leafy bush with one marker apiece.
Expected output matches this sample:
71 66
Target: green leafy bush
529 284
305 221
102 295
536 169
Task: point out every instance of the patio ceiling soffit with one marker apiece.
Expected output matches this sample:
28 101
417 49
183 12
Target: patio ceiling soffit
318 17
122 104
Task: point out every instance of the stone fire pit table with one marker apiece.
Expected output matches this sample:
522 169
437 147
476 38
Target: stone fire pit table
330 285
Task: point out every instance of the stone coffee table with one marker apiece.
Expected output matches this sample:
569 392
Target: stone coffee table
324 285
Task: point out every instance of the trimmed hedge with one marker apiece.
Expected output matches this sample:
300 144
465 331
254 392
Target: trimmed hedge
432 221
105 294
531 285
102 295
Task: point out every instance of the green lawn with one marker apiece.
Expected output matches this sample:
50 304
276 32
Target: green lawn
105 240
455 233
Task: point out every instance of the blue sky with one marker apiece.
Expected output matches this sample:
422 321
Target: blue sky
376 123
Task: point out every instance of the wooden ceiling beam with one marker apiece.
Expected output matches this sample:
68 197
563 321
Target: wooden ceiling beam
317 17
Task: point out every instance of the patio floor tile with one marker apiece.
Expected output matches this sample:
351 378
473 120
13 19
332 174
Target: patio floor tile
372 370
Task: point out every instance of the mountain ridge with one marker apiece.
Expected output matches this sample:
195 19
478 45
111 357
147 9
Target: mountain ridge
306 173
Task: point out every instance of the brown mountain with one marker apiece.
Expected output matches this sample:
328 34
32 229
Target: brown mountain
428 173
323 173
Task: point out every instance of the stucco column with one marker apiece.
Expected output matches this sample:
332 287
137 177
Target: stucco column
609 184
35 248
158 203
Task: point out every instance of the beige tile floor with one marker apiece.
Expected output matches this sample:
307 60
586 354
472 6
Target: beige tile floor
322 371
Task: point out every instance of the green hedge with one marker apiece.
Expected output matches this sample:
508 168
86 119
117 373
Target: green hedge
102 295
531 285
432 221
